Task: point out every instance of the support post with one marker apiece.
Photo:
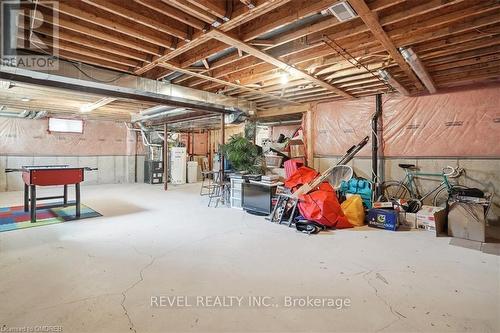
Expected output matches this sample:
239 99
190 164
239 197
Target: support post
65 195
375 143
26 197
192 147
33 203
309 138
189 145
77 195
165 156
222 135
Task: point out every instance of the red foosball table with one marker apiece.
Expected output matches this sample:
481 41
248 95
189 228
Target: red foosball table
50 175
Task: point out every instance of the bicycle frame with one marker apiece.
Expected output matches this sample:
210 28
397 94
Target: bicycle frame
409 182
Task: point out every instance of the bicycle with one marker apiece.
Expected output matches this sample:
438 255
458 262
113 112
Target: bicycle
408 189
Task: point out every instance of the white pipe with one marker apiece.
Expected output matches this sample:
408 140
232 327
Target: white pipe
418 67
387 77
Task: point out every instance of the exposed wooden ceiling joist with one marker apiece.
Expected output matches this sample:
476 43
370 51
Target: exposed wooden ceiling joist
225 83
372 22
231 40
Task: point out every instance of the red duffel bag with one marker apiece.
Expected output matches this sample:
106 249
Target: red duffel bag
322 206
302 176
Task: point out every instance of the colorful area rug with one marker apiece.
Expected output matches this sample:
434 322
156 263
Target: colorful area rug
13 218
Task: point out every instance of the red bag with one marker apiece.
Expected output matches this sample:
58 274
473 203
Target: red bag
302 176
323 207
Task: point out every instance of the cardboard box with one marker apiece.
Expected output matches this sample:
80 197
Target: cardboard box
383 218
383 205
467 221
395 204
297 150
432 219
408 220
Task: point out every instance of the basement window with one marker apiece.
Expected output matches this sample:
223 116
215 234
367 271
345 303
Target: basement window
65 125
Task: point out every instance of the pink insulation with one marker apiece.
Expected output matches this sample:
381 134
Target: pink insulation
452 123
342 124
31 137
458 123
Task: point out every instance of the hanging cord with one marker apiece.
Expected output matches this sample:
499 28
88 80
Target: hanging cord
74 63
352 60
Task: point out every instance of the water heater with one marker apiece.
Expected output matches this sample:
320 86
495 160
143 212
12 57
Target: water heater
178 165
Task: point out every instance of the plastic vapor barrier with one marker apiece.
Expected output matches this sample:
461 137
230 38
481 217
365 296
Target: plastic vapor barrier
20 136
454 123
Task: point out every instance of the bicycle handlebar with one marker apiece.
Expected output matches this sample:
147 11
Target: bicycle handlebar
453 172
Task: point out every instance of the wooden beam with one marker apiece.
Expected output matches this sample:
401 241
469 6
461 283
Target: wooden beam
419 68
378 32
173 12
107 35
205 63
139 18
187 7
82 51
83 40
97 104
225 83
261 42
385 75
239 17
281 111
146 34
345 30
216 8
181 49
231 40
249 3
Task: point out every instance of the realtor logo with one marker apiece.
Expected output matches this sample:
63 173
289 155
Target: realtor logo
29 34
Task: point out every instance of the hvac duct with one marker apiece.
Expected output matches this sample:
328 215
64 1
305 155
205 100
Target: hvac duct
418 67
156 109
25 114
40 115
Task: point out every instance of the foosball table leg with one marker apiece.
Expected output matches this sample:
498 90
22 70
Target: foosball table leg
77 194
26 198
33 203
65 195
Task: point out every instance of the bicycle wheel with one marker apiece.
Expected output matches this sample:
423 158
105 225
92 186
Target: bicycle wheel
393 190
441 196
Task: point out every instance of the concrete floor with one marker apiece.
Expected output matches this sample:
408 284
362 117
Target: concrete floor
99 275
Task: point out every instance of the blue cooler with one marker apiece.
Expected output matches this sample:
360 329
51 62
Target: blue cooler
383 218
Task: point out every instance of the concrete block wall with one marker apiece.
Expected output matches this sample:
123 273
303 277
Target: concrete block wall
111 169
480 173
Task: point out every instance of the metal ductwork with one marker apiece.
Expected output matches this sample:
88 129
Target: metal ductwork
156 110
25 114
40 115
128 87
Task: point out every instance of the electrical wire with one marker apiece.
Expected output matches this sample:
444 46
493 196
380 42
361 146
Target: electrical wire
72 62
352 60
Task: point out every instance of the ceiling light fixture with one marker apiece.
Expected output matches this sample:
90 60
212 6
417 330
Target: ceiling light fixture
25 99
